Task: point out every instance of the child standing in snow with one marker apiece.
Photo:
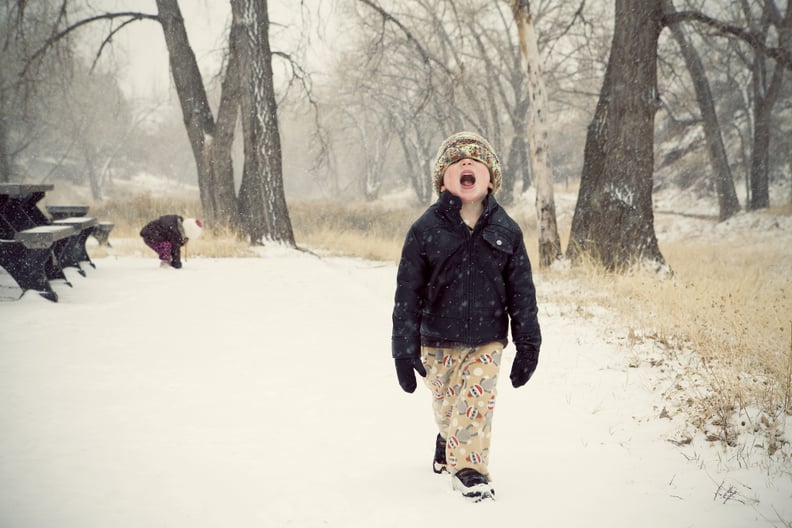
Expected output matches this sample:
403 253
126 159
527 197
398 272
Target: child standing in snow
464 275
167 234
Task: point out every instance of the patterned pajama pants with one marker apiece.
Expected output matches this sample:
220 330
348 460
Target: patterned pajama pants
163 249
463 381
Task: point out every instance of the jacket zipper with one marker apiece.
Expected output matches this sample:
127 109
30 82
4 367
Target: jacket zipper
469 283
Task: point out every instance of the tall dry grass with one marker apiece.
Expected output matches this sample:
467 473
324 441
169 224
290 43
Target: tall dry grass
129 215
722 324
362 230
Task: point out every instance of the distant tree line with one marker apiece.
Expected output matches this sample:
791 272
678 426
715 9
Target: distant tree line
522 73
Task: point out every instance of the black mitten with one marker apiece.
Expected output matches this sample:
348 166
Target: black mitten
405 370
523 368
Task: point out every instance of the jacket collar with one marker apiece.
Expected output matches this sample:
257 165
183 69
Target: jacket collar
449 206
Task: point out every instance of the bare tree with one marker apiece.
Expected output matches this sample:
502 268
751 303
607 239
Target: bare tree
249 84
221 194
764 26
456 63
262 199
541 166
767 84
614 221
728 203
28 89
219 208
95 118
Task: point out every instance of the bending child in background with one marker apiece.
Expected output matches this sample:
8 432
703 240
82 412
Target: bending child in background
464 276
167 235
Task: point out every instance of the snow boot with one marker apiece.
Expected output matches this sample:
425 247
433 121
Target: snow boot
473 485
439 463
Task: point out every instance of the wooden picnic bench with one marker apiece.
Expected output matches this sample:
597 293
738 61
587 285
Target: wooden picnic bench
42 237
30 259
28 239
59 212
100 231
71 251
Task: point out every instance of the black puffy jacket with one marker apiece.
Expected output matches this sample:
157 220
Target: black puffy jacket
455 287
166 228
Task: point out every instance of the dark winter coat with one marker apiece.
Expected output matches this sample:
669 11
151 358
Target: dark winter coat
165 228
457 287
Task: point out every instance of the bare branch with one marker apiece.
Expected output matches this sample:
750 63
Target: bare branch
781 55
132 15
108 39
387 17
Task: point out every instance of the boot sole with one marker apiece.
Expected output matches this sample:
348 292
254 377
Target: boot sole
475 493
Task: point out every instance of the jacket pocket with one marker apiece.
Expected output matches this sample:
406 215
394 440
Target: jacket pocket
499 240
494 254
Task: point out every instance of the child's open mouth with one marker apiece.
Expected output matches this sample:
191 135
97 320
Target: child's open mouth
467 180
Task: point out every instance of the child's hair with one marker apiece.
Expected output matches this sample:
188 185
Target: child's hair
466 145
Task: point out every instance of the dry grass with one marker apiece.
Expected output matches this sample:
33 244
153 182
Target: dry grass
130 215
723 323
362 230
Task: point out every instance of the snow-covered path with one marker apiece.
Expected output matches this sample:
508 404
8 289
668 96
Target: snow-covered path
260 392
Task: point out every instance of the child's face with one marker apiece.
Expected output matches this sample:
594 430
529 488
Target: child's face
467 179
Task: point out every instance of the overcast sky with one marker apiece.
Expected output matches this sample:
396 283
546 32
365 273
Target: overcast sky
139 52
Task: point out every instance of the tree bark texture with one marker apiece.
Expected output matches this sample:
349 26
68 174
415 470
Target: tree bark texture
760 155
728 204
223 198
262 199
541 166
613 222
5 155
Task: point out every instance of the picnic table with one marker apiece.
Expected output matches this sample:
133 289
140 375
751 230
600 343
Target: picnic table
33 249
101 230
59 212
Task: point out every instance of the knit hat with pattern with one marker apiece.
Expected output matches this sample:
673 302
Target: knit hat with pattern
466 145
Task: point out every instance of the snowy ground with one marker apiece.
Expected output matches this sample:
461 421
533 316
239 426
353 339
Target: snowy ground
260 392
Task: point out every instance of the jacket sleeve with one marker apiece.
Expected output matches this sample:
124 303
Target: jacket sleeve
173 228
526 335
148 230
411 280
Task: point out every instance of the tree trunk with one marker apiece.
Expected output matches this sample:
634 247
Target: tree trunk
728 204
613 222
225 210
261 196
760 155
89 156
417 155
513 168
541 167
197 114
766 90
5 155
